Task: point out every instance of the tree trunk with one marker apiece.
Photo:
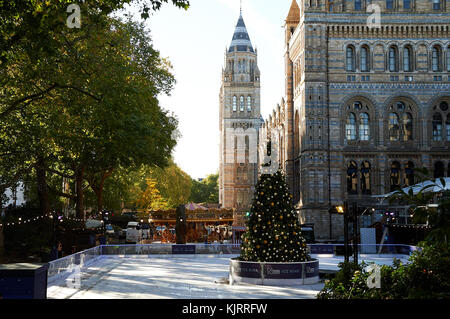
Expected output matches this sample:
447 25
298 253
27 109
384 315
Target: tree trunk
98 188
42 189
79 189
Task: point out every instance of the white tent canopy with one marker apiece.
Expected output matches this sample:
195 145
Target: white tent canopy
436 188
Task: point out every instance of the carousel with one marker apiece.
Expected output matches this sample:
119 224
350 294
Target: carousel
204 224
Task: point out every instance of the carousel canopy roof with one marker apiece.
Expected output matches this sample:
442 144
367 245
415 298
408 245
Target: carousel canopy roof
194 206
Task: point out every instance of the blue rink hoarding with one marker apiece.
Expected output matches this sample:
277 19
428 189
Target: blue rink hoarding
183 249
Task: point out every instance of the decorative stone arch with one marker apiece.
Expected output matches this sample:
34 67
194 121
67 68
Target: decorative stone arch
431 44
379 57
433 101
412 106
369 106
419 43
422 53
348 98
382 44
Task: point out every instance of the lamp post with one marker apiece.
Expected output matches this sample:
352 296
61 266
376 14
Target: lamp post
346 252
334 210
355 233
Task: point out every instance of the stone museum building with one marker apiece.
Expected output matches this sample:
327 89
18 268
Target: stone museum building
366 102
240 120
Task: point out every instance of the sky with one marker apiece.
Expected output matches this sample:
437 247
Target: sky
195 42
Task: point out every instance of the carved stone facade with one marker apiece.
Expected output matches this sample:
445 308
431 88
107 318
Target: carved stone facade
240 120
364 105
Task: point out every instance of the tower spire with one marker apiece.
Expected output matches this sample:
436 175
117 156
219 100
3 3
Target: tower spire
240 10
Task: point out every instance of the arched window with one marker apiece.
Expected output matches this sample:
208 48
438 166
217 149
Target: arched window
352 178
448 59
357 5
234 103
436 59
407 127
364 59
407 61
436 4
350 58
365 178
364 133
393 59
447 126
394 128
389 4
406 4
241 104
409 174
437 127
439 170
350 127
249 103
395 176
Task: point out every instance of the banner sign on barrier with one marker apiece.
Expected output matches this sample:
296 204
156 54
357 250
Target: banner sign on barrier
280 271
322 249
312 269
183 249
248 270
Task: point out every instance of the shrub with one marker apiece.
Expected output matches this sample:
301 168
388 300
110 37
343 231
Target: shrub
427 275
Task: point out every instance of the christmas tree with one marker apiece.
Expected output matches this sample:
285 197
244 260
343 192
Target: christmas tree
273 230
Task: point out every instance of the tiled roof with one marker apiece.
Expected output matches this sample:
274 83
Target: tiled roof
241 40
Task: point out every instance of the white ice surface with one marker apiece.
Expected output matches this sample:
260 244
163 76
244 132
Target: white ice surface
181 277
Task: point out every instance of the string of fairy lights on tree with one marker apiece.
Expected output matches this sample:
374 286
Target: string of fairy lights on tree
22 220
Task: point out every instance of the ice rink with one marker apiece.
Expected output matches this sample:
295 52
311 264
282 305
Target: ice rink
180 277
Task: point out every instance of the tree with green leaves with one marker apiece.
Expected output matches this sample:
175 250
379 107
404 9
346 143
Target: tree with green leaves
273 229
109 117
150 198
206 190
32 24
173 183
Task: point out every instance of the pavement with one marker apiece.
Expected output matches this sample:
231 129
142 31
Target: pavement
180 277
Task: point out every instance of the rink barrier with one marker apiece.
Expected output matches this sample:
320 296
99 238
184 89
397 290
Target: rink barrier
62 267
274 274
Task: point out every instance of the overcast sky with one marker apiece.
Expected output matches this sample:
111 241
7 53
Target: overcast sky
195 41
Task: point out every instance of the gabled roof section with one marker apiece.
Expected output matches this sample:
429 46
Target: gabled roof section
241 40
